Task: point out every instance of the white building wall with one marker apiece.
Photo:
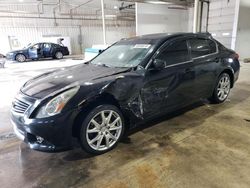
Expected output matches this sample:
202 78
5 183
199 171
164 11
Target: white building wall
243 33
223 18
152 18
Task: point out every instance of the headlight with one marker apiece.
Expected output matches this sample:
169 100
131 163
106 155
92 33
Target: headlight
55 105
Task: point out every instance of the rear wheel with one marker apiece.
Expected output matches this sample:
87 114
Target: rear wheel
20 58
102 129
222 88
58 55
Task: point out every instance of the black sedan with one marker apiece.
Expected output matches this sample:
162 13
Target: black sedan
132 81
38 51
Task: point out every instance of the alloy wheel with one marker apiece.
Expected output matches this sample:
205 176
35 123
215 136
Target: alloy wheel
223 87
104 130
20 58
59 55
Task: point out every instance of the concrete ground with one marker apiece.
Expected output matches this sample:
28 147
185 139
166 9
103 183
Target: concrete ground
202 146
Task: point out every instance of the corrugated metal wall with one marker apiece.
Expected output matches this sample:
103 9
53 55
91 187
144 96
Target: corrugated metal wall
83 33
28 35
81 36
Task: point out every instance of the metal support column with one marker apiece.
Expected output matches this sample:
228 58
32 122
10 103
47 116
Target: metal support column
103 23
208 9
196 12
201 16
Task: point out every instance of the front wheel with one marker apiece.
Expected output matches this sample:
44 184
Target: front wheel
102 129
222 88
20 58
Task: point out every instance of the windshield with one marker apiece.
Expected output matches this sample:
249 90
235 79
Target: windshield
29 45
123 55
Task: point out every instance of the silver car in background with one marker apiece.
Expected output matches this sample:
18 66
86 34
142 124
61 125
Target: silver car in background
2 60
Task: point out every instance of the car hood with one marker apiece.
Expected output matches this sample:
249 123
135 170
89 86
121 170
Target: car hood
60 79
18 51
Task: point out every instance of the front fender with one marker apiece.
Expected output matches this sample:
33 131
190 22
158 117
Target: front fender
123 91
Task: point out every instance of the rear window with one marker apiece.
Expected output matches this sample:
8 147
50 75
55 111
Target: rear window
221 47
55 46
201 47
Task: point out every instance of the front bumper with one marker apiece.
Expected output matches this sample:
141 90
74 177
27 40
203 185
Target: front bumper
10 57
48 134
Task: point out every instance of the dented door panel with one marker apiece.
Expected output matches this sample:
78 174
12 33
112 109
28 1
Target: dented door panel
167 89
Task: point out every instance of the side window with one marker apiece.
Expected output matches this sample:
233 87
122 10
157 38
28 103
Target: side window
201 47
35 46
47 45
177 52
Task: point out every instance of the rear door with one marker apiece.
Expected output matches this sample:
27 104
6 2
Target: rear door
55 48
206 59
47 48
171 87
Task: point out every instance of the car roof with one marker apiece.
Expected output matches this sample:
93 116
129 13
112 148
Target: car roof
46 43
161 37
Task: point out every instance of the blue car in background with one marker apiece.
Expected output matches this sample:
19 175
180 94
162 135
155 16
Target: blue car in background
37 51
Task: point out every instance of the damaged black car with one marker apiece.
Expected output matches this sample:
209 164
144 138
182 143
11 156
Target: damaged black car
134 80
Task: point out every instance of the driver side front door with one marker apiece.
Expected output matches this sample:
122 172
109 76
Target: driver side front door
171 87
34 51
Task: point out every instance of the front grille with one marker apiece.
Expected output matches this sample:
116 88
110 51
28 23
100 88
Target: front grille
19 106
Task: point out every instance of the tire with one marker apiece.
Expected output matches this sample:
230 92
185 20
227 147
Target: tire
58 55
20 58
222 89
100 134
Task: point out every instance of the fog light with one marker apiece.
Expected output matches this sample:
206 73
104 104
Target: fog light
39 139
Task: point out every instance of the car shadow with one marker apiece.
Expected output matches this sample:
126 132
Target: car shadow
165 117
76 153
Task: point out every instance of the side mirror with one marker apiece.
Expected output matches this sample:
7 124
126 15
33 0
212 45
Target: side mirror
159 64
